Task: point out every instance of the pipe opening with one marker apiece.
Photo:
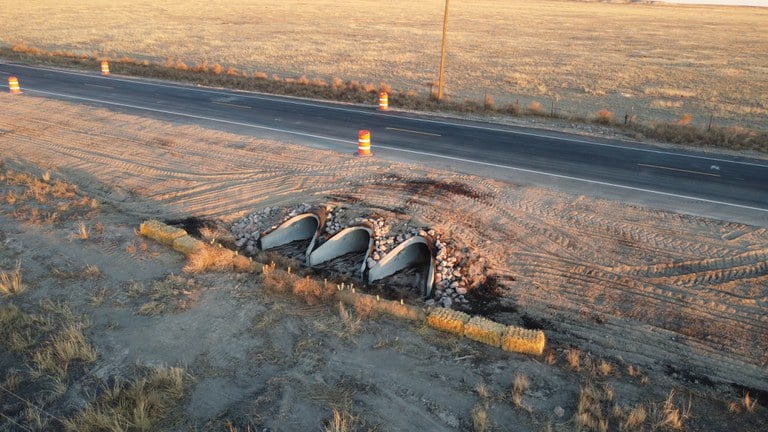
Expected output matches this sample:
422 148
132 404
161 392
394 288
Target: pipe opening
346 250
295 237
409 264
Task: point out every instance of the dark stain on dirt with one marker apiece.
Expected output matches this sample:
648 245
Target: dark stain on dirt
430 188
192 225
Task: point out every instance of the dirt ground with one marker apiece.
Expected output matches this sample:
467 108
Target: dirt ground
642 308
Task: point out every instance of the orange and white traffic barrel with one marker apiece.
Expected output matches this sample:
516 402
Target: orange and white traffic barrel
383 101
13 84
104 67
364 143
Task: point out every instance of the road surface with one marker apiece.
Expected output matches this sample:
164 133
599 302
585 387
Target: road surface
707 184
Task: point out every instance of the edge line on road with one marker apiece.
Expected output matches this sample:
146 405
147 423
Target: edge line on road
298 101
458 159
678 170
412 131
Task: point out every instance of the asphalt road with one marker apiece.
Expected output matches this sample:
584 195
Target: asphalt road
707 184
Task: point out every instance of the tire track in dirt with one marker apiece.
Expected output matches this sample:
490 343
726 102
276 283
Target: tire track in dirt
581 285
640 236
734 338
567 257
718 276
755 258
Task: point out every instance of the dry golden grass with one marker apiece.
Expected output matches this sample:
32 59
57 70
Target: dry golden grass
91 271
668 415
553 53
352 323
66 346
635 419
604 368
207 258
341 421
519 386
141 405
482 391
748 403
573 356
589 412
18 330
10 282
479 419
83 233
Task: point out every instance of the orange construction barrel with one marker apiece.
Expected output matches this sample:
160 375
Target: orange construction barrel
364 143
104 67
13 84
383 101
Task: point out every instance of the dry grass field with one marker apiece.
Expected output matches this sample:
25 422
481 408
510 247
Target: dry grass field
654 320
653 62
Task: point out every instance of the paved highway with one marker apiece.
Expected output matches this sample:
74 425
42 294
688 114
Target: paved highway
709 184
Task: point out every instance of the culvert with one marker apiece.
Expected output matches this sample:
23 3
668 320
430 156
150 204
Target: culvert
301 227
348 240
413 252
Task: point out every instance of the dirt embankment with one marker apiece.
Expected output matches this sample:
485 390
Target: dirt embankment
682 298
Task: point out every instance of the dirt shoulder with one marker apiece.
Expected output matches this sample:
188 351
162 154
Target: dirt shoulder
636 303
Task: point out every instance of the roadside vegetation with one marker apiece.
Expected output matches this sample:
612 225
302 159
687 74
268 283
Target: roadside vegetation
681 131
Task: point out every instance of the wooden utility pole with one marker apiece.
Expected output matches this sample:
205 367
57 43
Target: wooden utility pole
441 80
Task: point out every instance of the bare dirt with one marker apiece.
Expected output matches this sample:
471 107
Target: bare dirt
681 299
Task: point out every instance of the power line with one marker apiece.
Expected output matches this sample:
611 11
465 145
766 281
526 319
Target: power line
14 422
29 403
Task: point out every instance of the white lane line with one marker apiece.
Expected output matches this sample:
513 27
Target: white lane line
565 177
297 101
181 114
231 104
679 170
99 86
433 155
412 131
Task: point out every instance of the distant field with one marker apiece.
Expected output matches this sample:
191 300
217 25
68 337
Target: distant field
654 62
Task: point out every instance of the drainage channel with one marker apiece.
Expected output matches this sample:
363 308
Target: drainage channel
393 262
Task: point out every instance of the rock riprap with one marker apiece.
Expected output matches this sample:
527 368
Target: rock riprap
451 281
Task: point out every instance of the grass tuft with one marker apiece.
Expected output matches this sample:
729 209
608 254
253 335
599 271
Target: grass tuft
604 368
589 414
479 419
66 346
519 387
635 419
573 356
749 403
208 258
482 391
10 282
141 405
669 415
341 421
